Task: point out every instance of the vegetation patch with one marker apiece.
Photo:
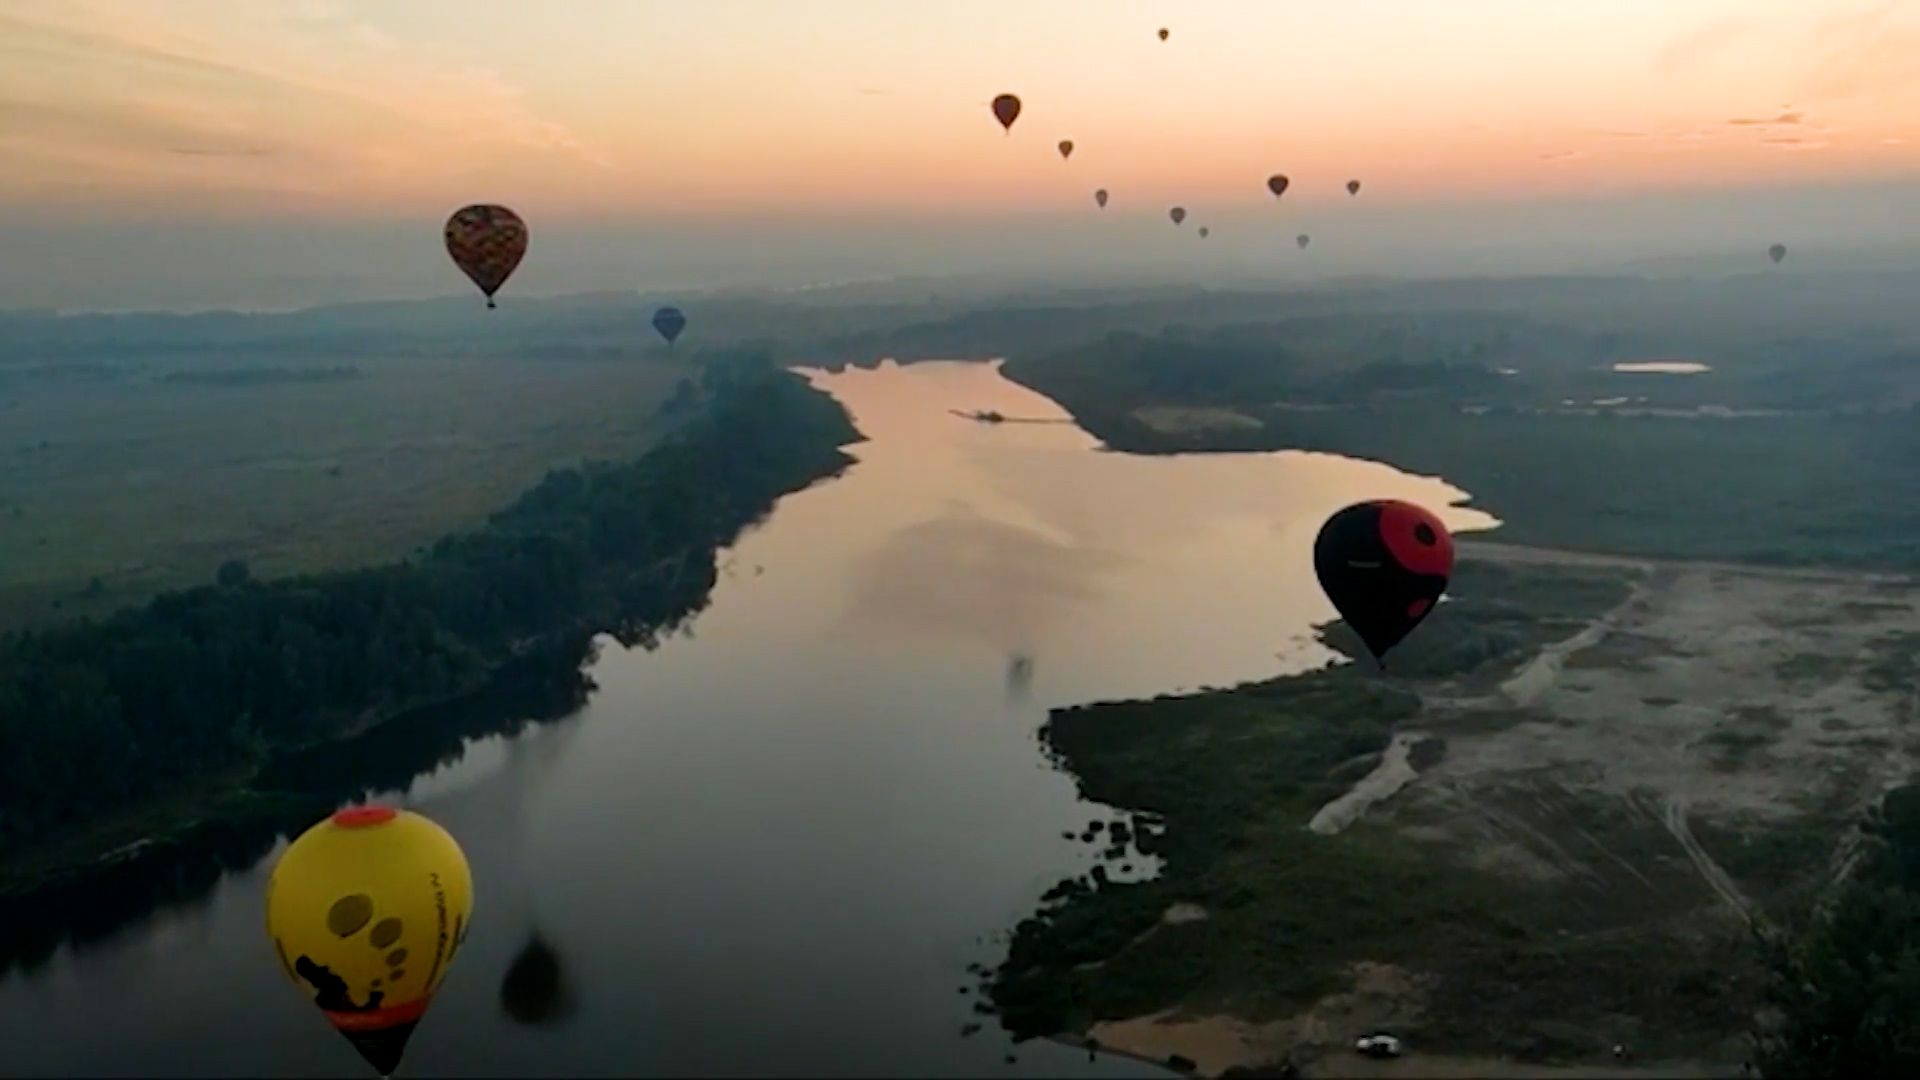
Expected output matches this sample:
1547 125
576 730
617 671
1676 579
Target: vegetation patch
1236 774
112 723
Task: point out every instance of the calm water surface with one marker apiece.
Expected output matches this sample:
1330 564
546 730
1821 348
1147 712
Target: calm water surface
1662 367
775 844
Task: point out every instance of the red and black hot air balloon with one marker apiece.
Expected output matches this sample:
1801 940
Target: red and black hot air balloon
1384 565
486 242
1277 184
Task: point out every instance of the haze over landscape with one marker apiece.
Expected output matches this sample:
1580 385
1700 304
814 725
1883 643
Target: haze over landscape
187 154
1097 538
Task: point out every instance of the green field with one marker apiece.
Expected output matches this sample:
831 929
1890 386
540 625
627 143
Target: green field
119 481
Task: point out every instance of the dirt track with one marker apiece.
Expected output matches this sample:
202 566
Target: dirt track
1641 762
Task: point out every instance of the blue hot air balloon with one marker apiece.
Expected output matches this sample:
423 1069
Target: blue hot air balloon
669 321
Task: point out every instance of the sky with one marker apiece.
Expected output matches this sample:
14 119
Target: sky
182 152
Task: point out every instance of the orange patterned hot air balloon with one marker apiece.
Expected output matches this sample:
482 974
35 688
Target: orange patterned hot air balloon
486 242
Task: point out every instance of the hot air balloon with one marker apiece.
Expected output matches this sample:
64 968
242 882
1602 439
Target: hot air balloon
1066 148
1277 184
1384 565
1353 187
1100 197
1178 214
669 321
1203 232
1006 109
1303 240
1163 33
366 911
1777 252
486 242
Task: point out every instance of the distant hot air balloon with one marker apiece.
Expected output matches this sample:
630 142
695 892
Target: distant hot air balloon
1178 214
1353 187
1303 240
1277 184
1006 109
669 321
1066 148
1203 232
366 911
1777 252
1384 565
486 242
1100 197
1163 33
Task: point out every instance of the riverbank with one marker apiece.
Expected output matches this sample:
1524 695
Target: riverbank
140 730
1819 486
1610 760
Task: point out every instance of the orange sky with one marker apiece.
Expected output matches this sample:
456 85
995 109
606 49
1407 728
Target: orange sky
648 110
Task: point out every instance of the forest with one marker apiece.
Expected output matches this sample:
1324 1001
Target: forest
206 685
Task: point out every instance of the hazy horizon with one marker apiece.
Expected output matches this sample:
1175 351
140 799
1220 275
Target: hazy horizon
191 154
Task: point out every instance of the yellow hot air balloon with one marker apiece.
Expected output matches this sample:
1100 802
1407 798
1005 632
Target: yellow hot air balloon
366 911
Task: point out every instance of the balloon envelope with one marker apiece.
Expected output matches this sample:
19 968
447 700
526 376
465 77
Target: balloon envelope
1101 198
669 321
1006 109
1203 232
1777 252
1178 214
486 243
1277 184
1303 240
1066 148
1163 33
1353 187
366 911
1384 565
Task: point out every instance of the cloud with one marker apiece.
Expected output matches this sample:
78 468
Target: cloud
368 107
135 129
1874 53
1701 44
1784 119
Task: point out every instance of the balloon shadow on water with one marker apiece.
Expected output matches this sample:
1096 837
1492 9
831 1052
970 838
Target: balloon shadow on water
534 992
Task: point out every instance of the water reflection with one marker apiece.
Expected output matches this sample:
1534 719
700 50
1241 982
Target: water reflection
1019 677
1662 367
777 845
95 904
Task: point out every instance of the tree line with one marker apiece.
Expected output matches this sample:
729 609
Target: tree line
204 685
1843 992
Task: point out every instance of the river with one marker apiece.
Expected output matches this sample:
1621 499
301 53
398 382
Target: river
775 844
